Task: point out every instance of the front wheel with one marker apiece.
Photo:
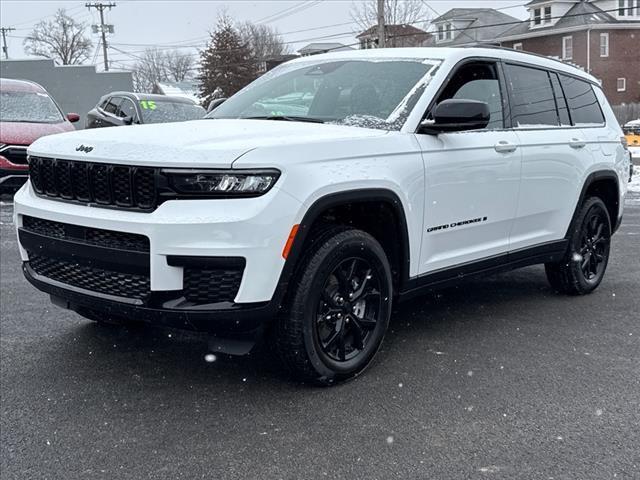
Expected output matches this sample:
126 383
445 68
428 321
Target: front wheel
582 269
338 310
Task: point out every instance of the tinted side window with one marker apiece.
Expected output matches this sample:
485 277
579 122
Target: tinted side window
533 103
561 101
477 81
582 101
112 105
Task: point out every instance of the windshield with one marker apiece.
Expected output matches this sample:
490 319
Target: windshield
161 111
31 107
367 93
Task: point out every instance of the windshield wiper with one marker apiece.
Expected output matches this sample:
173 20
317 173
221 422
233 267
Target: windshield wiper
287 118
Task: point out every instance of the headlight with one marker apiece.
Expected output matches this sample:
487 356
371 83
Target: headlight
222 183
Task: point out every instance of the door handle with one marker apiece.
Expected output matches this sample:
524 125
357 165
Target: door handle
505 147
577 143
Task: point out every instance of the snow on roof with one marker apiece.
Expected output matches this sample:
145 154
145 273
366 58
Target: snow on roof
184 89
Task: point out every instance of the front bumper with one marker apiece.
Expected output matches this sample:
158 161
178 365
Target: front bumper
182 234
255 229
242 321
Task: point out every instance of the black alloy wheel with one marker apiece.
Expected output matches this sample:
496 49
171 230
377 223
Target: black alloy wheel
582 268
349 309
339 308
594 246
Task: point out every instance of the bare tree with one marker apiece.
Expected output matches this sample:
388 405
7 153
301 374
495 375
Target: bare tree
179 65
61 39
396 12
156 65
263 40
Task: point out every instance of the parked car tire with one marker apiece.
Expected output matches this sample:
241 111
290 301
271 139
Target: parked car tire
582 269
338 308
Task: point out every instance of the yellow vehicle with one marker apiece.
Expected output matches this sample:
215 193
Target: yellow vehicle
632 134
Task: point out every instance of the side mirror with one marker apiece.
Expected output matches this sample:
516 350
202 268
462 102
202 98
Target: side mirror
73 117
455 115
213 104
128 120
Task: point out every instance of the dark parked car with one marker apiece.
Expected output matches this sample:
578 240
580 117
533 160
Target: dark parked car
27 112
126 108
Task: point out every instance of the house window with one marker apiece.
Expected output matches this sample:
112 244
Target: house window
628 8
604 44
567 48
517 46
621 84
537 16
542 16
445 32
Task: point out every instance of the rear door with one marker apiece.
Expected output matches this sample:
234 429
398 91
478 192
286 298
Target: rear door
471 177
554 156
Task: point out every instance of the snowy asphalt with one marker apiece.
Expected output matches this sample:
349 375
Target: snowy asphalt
497 379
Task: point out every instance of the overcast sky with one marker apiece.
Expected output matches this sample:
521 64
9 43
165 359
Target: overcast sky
142 23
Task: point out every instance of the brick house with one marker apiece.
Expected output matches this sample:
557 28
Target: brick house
600 36
395 36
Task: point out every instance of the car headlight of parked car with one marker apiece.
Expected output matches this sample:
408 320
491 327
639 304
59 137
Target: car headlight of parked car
222 183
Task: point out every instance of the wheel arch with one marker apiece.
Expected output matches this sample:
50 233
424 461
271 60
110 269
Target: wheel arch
606 185
343 199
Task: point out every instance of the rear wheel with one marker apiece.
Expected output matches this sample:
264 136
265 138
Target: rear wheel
338 310
582 269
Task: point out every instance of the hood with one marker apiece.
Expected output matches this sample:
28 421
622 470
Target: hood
22 133
213 143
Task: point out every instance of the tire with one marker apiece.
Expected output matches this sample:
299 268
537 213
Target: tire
583 266
324 335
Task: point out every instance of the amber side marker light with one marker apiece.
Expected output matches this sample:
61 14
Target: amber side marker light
289 244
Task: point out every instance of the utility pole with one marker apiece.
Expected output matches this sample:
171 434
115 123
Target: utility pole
4 31
381 40
102 27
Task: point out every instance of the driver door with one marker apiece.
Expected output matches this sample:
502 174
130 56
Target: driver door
471 177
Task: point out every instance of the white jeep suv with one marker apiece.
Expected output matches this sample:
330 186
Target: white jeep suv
302 207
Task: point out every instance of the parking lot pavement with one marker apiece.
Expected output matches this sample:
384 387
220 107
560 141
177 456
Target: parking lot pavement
499 378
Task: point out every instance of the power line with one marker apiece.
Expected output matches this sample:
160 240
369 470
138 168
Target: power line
46 16
516 22
185 43
287 12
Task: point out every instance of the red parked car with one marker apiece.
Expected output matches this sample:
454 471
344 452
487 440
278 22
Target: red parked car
27 112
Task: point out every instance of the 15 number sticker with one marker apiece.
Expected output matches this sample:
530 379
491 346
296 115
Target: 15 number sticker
148 104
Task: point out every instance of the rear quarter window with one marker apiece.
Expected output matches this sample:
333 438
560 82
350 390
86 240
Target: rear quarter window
583 103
